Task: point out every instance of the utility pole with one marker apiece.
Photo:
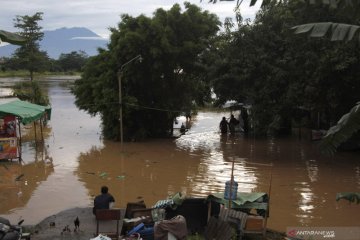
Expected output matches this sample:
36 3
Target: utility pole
138 57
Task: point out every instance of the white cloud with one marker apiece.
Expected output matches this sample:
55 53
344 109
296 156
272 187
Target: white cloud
87 38
99 15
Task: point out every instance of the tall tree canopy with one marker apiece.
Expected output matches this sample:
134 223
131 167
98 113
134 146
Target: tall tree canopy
345 29
281 73
73 61
29 54
170 80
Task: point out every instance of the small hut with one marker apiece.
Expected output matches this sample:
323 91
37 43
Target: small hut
11 115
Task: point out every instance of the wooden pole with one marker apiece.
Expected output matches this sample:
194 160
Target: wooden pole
120 107
270 187
267 213
20 141
41 130
119 75
35 133
231 181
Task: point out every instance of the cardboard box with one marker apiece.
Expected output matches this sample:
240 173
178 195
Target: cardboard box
254 223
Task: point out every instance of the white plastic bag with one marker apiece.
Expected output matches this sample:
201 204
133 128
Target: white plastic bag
101 237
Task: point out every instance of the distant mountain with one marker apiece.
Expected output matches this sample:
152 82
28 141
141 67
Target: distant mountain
65 40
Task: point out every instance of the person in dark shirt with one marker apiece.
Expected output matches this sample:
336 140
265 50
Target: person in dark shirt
104 200
232 123
244 116
182 129
223 125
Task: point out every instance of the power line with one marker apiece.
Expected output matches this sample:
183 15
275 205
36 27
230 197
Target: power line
134 105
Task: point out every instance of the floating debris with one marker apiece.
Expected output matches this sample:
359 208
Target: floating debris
103 174
66 230
18 178
120 177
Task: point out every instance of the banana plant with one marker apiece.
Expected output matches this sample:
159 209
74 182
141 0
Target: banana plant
350 122
348 125
11 38
338 31
352 197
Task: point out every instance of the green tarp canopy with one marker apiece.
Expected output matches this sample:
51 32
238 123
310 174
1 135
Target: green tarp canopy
256 200
25 111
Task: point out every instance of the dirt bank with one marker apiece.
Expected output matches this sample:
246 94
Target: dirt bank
53 227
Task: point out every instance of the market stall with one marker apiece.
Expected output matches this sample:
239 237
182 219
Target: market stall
12 114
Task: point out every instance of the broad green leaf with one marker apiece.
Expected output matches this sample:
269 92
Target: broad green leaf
253 2
320 29
331 3
304 28
340 32
352 197
345 128
352 31
12 38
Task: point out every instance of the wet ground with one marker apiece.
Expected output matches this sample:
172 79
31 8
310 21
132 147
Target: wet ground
75 162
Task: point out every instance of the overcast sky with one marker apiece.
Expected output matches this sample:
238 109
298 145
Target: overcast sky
99 15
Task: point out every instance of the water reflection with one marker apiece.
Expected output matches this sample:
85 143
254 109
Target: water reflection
150 170
216 158
18 182
303 187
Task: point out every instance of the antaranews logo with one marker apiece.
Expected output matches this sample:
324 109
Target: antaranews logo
291 233
319 233
311 233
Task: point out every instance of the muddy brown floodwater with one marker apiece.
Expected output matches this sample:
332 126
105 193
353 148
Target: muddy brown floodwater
303 188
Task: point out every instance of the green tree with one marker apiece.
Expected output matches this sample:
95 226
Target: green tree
29 54
170 80
32 92
341 30
73 61
279 72
338 31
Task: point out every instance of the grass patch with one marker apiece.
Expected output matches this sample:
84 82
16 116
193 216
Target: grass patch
26 74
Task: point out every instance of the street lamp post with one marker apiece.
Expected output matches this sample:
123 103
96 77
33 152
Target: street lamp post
138 57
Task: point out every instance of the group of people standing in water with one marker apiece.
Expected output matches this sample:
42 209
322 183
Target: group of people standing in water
226 126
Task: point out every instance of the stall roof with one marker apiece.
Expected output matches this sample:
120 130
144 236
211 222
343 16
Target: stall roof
25 111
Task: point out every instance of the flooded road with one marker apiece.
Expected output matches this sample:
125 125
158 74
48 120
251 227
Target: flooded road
303 184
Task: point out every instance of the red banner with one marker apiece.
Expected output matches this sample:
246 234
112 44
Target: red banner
8 148
8 126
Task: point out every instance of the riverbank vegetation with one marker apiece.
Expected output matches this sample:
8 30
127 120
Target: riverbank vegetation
68 64
37 75
169 81
29 57
28 60
289 80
